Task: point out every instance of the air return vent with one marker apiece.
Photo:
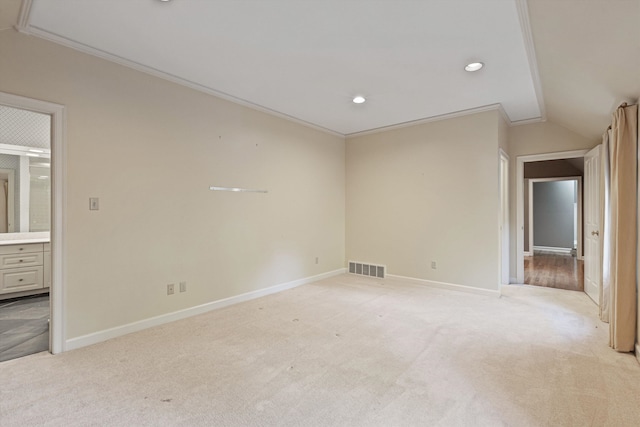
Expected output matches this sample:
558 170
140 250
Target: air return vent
363 269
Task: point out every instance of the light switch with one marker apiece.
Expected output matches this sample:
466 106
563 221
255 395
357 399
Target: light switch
94 204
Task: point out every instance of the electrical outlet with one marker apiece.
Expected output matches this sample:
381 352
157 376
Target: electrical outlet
170 289
434 265
183 286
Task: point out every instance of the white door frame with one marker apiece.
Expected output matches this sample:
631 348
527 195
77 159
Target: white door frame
579 219
503 219
58 202
520 161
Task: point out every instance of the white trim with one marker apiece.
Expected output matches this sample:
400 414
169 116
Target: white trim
528 121
552 249
446 116
58 203
530 214
39 32
118 331
448 286
529 45
23 17
529 253
513 280
503 220
520 161
638 352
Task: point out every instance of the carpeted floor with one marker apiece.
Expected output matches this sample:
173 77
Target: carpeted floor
345 351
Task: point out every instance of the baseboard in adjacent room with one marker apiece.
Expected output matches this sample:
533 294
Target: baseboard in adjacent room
96 337
449 286
638 352
553 249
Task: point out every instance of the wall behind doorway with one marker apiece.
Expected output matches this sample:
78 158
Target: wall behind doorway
553 213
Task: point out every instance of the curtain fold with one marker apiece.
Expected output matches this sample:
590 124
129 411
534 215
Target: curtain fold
622 236
606 255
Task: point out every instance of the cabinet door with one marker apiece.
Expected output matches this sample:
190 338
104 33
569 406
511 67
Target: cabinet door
21 249
20 279
20 260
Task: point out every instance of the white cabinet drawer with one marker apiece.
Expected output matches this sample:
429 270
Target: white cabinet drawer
19 249
21 260
20 279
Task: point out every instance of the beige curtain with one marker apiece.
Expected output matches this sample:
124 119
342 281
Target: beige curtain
622 235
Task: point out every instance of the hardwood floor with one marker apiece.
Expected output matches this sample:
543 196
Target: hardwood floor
554 270
24 326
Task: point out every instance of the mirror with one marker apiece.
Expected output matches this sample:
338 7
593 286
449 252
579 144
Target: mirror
25 171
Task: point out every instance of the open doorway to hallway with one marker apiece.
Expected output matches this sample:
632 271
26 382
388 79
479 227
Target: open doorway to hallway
553 207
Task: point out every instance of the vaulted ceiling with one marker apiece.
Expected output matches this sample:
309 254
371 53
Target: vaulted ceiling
569 61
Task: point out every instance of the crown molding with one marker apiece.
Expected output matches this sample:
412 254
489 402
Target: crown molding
38 32
23 17
461 113
528 121
530 48
24 26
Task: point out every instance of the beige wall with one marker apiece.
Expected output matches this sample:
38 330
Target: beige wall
150 149
536 138
427 192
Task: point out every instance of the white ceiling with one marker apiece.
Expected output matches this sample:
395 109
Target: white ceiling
588 53
569 61
307 59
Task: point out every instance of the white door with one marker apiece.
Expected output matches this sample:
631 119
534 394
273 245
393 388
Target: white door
592 229
504 219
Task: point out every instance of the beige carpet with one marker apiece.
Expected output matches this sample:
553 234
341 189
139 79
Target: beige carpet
345 351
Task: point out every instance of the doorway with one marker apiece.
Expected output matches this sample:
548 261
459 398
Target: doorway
521 161
553 250
48 165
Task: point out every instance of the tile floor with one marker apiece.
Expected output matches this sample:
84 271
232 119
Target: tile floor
24 326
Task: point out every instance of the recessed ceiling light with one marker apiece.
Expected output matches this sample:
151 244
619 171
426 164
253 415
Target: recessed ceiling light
474 66
358 99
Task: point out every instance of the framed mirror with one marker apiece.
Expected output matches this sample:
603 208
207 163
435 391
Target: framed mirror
25 171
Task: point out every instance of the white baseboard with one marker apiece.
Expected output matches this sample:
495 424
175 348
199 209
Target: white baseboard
528 253
449 286
638 352
552 249
96 337
513 280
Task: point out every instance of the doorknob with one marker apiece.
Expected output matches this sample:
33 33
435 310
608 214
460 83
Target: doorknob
595 233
